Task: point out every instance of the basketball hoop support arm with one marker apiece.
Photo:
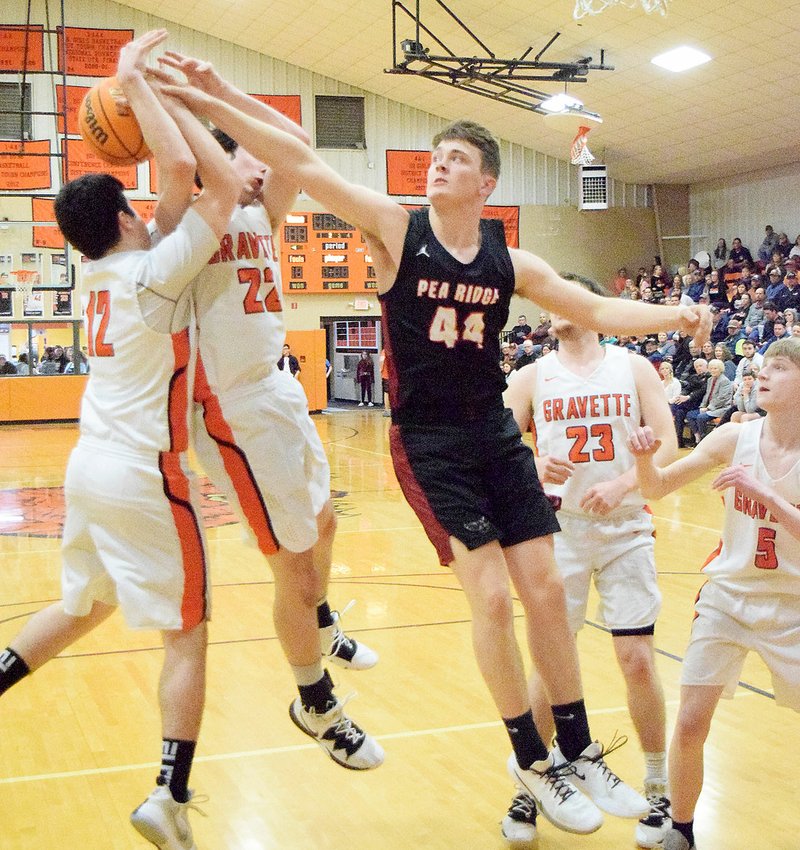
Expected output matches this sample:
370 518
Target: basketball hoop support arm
503 80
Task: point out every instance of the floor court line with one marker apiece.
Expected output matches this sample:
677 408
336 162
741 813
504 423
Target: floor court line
270 751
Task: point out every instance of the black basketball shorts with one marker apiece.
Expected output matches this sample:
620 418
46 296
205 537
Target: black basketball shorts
475 481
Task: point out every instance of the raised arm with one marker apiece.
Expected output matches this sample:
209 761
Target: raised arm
382 221
173 157
221 185
279 190
536 280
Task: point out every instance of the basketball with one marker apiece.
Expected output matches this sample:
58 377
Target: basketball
108 125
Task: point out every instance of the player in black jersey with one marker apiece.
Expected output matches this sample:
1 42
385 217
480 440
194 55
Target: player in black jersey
445 278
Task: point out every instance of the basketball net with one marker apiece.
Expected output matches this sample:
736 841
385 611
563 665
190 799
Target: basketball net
25 279
595 7
579 152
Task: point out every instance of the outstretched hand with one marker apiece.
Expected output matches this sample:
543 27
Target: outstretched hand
133 56
642 441
200 74
195 99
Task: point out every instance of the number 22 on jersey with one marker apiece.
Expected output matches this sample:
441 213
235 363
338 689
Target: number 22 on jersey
253 303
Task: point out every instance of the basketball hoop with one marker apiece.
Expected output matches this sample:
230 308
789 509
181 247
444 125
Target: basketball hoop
579 153
595 7
25 279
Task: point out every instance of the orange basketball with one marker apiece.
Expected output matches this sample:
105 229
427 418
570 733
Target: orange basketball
109 126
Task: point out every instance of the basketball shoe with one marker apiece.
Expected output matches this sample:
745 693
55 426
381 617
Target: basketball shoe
342 650
652 828
674 840
335 732
596 779
519 824
556 797
164 822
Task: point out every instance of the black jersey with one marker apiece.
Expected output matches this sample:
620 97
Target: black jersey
442 321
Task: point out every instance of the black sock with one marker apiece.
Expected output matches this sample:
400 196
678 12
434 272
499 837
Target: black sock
324 616
318 696
686 830
572 728
176 764
525 739
12 669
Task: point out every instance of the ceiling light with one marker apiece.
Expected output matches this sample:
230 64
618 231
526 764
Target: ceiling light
681 59
562 102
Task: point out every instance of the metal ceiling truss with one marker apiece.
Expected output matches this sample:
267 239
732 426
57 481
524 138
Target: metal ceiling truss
503 80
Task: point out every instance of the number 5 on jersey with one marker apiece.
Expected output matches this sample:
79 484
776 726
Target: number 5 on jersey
444 327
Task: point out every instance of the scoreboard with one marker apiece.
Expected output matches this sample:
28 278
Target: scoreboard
320 253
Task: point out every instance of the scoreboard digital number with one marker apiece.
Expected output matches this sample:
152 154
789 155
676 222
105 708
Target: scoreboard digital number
321 253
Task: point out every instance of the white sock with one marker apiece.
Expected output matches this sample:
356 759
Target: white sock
655 768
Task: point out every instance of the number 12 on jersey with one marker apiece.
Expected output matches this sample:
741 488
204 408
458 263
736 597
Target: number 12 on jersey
444 327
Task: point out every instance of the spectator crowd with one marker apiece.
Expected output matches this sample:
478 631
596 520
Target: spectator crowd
753 302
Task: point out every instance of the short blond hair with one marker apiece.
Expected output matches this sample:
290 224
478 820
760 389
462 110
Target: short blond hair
788 348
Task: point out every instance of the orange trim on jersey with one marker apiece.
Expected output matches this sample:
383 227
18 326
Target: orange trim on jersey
713 555
194 603
236 464
648 510
178 398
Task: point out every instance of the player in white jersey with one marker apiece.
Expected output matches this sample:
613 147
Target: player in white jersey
132 535
751 600
255 439
581 402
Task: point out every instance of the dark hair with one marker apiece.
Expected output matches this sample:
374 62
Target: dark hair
86 211
480 137
227 144
592 285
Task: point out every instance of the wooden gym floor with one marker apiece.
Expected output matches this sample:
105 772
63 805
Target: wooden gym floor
80 741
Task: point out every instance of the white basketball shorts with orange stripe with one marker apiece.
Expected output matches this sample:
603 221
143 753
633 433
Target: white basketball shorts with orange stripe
133 537
260 447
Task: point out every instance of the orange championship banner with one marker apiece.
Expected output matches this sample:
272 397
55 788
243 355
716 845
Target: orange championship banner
286 104
407 172
19 52
75 95
93 52
144 208
508 215
19 171
81 159
320 253
43 209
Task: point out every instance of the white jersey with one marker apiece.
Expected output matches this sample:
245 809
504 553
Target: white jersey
238 307
756 554
137 394
587 420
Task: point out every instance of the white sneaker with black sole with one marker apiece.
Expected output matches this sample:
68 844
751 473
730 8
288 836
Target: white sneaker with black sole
342 650
600 784
346 743
653 827
164 822
519 824
556 797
